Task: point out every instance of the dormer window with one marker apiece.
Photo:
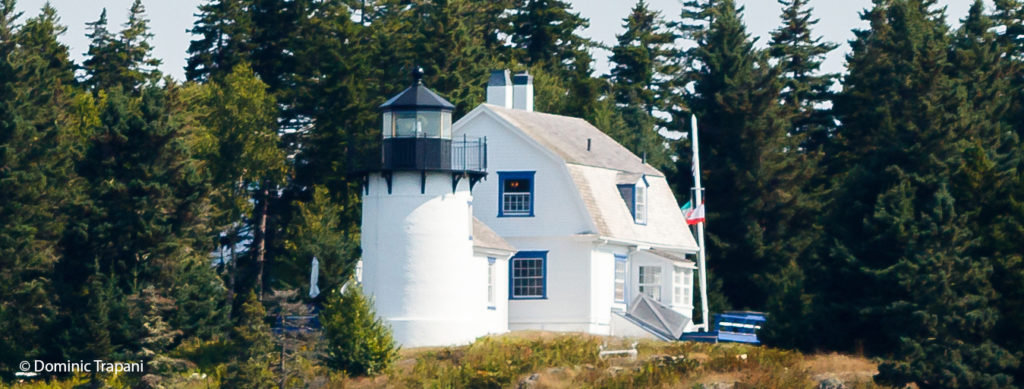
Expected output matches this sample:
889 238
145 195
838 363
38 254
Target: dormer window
635 196
640 206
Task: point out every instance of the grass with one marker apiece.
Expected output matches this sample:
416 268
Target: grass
546 360
550 360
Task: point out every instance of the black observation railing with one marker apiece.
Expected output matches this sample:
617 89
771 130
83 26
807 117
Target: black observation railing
469 154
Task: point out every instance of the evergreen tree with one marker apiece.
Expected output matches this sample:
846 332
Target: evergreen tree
642 62
146 212
102 66
255 348
756 179
923 293
799 56
358 342
123 61
316 231
546 34
241 122
135 49
1009 17
992 165
224 29
36 180
805 94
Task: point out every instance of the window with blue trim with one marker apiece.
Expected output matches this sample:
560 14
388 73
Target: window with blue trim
515 194
528 275
620 278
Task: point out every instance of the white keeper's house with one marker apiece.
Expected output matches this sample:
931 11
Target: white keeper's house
511 219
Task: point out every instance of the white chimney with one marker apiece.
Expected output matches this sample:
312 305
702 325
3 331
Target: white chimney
522 91
499 89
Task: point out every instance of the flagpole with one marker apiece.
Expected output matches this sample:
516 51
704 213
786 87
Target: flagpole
698 197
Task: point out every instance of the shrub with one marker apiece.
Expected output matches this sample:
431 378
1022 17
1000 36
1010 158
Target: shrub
357 342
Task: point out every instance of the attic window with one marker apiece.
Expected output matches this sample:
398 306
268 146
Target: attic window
635 196
515 195
640 205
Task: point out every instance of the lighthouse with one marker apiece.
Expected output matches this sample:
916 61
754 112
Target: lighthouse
417 224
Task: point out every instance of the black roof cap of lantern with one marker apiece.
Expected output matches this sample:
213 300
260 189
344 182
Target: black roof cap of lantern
417 96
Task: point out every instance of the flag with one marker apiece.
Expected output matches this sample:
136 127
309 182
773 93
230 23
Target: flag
695 215
686 207
314 276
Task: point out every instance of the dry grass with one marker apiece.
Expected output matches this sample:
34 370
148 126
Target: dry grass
555 360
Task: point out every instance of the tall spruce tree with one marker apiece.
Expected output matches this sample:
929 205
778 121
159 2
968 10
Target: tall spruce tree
241 119
546 35
36 181
806 90
923 293
123 61
146 215
224 39
642 61
982 61
805 94
759 213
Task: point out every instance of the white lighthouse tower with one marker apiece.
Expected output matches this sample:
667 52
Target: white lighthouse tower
417 225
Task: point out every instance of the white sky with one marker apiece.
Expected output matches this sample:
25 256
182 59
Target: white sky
169 20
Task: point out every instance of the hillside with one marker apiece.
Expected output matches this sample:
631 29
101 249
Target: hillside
546 360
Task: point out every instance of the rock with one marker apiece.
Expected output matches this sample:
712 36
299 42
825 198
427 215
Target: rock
831 383
529 382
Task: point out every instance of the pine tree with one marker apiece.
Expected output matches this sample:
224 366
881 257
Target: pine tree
642 60
1009 17
316 231
255 348
805 94
358 342
123 61
135 48
756 179
545 35
36 181
224 29
799 55
146 211
102 66
241 122
991 170
924 293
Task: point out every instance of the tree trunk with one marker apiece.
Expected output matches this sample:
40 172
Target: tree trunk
261 236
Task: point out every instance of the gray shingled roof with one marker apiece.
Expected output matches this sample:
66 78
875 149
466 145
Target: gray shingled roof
596 174
485 237
567 137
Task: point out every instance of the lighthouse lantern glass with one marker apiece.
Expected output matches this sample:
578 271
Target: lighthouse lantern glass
388 129
418 124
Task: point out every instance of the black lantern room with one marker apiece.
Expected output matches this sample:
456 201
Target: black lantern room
417 129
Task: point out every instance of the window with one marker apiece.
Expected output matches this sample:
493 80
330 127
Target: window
528 277
640 210
682 287
620 278
491 274
515 194
389 128
649 281
635 196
